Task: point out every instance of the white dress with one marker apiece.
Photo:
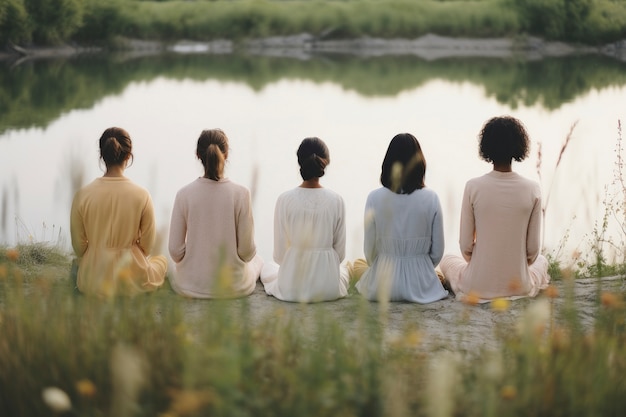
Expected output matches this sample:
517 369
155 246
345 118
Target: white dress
403 244
309 246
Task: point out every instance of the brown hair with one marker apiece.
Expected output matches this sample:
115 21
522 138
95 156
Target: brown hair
212 150
313 157
115 146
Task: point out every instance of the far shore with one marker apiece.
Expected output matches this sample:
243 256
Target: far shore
428 47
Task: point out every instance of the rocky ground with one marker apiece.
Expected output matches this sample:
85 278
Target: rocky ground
447 324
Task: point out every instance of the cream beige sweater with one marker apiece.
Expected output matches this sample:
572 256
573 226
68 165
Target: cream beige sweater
212 240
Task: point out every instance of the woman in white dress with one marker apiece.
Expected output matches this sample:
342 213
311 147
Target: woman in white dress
403 230
309 236
212 230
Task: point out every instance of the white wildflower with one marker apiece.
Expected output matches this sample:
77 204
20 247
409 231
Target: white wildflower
56 399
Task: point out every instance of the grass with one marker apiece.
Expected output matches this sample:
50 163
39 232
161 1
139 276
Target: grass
163 355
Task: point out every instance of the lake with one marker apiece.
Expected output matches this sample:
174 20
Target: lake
54 111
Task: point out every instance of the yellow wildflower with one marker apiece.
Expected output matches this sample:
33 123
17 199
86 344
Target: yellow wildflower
125 274
86 388
500 304
610 300
552 291
471 299
13 255
508 392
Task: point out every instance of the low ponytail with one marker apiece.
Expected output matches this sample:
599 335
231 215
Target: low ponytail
213 162
212 150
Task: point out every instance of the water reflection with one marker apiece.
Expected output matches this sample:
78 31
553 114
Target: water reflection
53 113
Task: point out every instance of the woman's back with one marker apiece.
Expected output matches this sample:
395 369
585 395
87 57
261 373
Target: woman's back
312 219
112 209
404 217
212 238
504 208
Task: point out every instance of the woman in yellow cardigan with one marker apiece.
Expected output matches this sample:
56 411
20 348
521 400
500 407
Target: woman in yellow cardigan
113 228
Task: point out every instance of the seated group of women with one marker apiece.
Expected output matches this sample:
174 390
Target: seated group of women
211 237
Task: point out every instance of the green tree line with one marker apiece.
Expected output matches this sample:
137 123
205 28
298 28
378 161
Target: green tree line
51 22
37 92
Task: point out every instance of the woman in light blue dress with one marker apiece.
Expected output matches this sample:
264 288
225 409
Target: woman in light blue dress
403 230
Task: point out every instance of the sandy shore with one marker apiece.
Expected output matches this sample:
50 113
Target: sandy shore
447 324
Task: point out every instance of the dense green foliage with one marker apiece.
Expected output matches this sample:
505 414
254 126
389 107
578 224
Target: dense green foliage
47 22
37 92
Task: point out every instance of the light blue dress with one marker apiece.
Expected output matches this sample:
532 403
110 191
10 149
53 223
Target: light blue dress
403 244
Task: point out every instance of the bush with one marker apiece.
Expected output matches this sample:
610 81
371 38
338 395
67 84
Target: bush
14 23
556 19
54 21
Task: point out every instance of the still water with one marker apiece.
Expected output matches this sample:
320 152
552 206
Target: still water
55 111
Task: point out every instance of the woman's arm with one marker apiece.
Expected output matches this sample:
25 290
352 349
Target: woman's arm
339 235
437 245
369 238
280 234
178 231
147 228
246 248
468 225
533 237
77 229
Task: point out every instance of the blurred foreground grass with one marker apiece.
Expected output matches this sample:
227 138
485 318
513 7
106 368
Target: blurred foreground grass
162 355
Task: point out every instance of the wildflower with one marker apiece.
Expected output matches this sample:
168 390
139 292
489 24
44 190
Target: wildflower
551 291
610 300
560 339
86 388
535 319
128 376
515 285
471 299
500 304
508 392
412 338
125 274
443 379
13 255
3 271
56 399
189 402
493 366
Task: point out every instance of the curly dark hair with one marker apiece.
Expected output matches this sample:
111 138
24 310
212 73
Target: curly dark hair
503 139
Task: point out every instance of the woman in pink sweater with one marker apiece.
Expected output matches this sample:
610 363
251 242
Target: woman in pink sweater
500 223
212 230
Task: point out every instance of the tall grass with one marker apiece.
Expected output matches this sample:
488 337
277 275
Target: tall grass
161 354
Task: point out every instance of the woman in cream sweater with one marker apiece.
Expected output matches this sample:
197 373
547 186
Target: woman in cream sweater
212 230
